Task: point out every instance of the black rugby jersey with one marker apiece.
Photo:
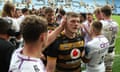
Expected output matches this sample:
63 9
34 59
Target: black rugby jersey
68 53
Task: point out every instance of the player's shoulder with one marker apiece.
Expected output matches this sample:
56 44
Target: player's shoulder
97 40
115 23
15 55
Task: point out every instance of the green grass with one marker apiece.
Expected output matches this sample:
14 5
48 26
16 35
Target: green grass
116 18
117 45
116 65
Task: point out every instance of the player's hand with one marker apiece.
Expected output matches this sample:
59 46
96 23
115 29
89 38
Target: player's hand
42 57
63 21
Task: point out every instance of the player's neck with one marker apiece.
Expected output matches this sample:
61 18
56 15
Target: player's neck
32 50
107 18
70 34
95 35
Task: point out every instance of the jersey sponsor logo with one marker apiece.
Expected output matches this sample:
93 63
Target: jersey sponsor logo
36 68
75 53
113 28
104 45
67 46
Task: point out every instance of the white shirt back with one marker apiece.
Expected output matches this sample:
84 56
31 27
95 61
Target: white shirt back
110 29
21 63
96 50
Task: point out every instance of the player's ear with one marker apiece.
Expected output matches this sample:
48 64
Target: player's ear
43 36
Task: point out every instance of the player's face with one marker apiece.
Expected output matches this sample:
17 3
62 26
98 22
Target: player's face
90 17
81 19
27 13
99 16
73 24
50 17
19 13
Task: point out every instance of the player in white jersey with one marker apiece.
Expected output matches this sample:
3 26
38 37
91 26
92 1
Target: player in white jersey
22 63
96 49
110 29
28 58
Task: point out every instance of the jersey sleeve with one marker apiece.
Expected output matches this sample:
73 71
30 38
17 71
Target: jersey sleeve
52 50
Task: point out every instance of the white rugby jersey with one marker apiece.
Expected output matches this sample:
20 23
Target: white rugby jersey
110 29
96 50
21 63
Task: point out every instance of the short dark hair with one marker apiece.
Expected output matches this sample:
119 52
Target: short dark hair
106 10
89 14
32 27
48 10
62 12
17 9
97 25
4 26
83 15
25 10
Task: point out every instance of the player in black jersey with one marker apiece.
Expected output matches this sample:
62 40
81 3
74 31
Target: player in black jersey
64 54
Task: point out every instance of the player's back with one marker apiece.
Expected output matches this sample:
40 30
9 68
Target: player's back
97 48
110 29
21 63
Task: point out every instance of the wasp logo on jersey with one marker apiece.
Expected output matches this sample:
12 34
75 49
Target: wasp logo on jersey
75 53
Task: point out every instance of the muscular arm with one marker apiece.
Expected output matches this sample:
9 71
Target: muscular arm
52 36
84 59
87 55
51 64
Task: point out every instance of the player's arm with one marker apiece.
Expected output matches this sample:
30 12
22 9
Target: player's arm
52 54
83 57
51 64
52 36
82 53
85 60
87 57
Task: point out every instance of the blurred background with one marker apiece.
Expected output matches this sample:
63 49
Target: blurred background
68 5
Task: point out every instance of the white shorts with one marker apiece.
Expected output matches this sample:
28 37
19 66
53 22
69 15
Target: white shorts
99 68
